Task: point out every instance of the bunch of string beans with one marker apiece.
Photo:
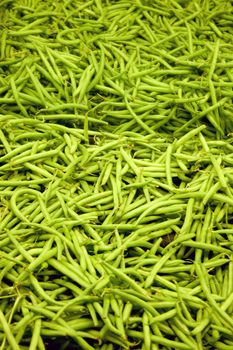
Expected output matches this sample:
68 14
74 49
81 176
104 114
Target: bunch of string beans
116 154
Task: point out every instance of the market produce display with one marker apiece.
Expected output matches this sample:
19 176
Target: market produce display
116 155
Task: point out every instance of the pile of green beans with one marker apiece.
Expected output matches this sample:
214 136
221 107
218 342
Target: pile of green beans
116 179
143 66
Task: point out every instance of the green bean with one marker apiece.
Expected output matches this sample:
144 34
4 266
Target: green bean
135 300
53 62
48 66
37 85
37 156
138 120
224 316
189 136
103 314
146 331
168 166
214 59
84 82
124 277
16 151
206 246
157 267
186 340
66 270
152 207
160 340
16 96
20 248
35 335
165 316
8 332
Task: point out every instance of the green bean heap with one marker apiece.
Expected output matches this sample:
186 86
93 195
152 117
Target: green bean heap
116 154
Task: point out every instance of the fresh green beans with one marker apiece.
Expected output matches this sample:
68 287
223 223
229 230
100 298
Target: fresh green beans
116 174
